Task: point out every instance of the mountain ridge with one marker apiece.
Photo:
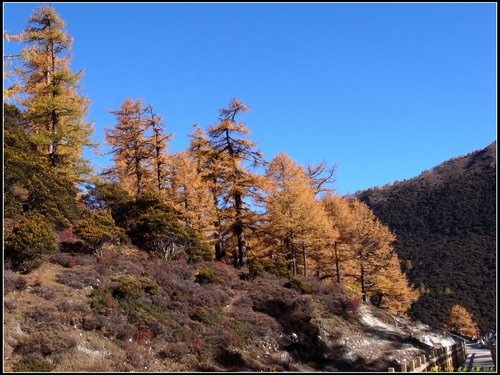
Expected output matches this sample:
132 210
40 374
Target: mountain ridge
445 223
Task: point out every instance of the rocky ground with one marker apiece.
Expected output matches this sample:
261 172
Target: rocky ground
233 324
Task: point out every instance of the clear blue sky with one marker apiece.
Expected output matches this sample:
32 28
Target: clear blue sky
384 91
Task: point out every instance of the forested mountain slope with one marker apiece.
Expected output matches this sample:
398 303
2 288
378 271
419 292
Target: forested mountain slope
445 224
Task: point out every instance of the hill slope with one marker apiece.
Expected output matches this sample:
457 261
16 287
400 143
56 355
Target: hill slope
445 222
129 312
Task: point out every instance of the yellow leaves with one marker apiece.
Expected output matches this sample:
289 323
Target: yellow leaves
462 321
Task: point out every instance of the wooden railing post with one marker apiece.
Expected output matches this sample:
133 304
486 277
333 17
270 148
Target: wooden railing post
411 367
424 363
493 352
403 365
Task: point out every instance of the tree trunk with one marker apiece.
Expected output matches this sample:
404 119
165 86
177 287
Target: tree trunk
362 279
238 231
304 256
337 266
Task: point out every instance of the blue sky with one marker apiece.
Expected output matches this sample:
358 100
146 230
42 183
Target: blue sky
384 90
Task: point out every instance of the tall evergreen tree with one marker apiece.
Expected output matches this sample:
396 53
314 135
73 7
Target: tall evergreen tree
48 94
229 157
189 193
132 152
368 261
296 221
159 141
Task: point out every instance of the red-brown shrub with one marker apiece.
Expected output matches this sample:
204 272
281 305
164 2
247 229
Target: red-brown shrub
197 345
144 335
110 302
67 235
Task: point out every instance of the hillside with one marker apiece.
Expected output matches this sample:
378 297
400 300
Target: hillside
130 312
445 222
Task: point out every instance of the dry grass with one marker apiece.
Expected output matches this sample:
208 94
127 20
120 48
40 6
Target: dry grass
131 313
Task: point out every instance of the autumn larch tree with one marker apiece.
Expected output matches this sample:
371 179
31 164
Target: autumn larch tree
48 94
229 155
159 141
189 193
132 152
201 151
370 264
294 217
462 321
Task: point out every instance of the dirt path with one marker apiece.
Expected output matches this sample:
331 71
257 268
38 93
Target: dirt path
229 308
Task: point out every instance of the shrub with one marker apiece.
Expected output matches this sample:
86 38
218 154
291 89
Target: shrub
9 304
93 322
47 340
33 363
351 304
96 229
255 269
277 266
299 285
99 299
70 261
77 278
138 357
208 276
44 292
197 345
201 316
42 314
13 282
30 238
125 286
144 335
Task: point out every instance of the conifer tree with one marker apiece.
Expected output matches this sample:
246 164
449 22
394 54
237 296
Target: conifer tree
48 94
208 170
295 219
189 194
229 156
462 321
159 141
132 152
368 261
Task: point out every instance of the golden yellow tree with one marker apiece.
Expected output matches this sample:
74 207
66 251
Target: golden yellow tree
201 151
48 95
368 261
158 142
295 220
228 158
139 144
462 321
189 194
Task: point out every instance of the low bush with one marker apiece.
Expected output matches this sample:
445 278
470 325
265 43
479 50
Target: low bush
208 276
9 304
13 282
278 266
70 260
42 314
33 363
300 285
351 304
201 316
77 278
44 292
28 240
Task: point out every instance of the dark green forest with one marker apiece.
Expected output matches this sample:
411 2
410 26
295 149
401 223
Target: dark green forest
445 223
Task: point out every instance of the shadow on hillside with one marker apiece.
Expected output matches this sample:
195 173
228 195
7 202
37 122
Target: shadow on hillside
304 343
